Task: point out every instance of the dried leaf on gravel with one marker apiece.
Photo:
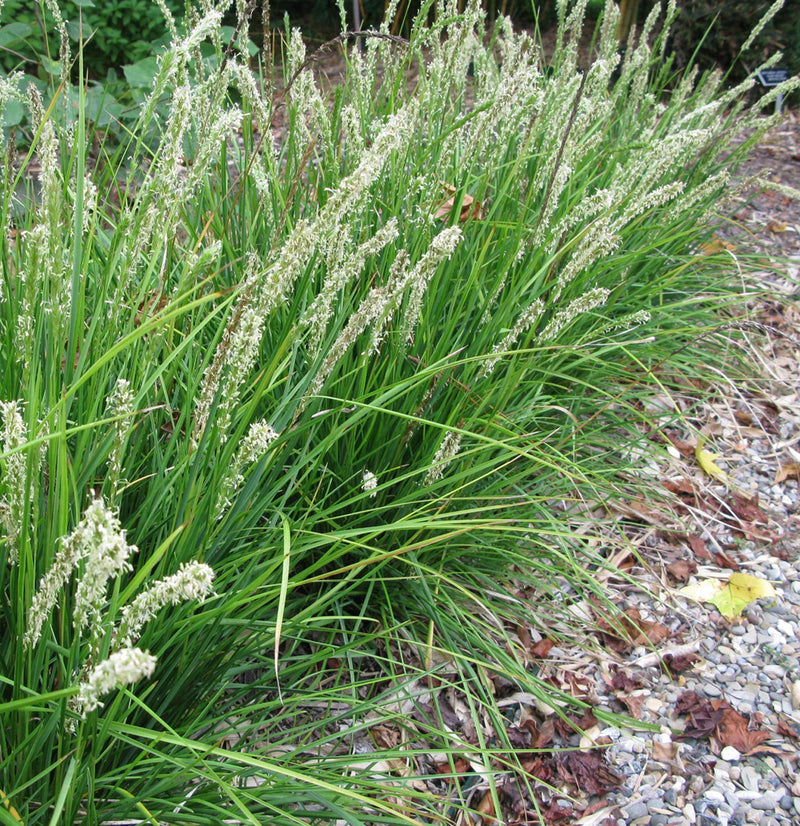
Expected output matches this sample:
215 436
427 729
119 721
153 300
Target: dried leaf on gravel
678 663
702 716
681 569
630 631
787 470
541 648
587 771
698 546
734 730
786 730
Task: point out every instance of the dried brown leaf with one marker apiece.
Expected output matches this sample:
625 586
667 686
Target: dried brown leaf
470 208
734 730
681 569
542 648
787 470
587 771
698 546
702 716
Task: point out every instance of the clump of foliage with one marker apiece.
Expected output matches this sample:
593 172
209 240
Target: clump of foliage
113 32
303 398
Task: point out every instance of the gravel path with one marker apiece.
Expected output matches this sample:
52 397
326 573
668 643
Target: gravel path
734 686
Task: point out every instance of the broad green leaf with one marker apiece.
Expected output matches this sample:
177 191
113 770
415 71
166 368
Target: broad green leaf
13 114
13 33
141 73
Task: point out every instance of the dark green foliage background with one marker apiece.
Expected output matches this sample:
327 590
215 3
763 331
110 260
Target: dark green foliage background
730 22
123 31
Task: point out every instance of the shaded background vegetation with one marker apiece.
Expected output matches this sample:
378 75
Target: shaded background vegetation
125 31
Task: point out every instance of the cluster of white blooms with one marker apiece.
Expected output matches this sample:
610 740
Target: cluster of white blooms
305 97
237 352
442 246
255 444
265 289
106 558
759 27
99 539
446 452
369 483
206 26
123 667
89 205
53 7
13 436
398 130
190 581
169 20
381 302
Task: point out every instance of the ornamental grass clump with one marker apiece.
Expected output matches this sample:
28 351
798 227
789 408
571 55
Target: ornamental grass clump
362 358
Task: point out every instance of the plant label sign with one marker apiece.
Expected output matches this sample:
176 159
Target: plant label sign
773 77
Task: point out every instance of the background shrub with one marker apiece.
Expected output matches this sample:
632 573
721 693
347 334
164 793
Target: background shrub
115 32
716 30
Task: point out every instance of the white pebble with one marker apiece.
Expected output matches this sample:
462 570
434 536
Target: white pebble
796 695
730 754
785 628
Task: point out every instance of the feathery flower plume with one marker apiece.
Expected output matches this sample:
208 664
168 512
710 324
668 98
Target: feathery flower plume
191 581
120 403
263 290
128 665
12 506
255 444
523 323
759 27
341 270
99 538
446 452
582 304
442 246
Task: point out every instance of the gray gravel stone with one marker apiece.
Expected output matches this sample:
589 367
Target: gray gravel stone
765 803
635 810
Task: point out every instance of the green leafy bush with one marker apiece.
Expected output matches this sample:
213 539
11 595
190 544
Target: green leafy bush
114 32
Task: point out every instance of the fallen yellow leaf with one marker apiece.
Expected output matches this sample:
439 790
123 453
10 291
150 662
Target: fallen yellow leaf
706 461
729 597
